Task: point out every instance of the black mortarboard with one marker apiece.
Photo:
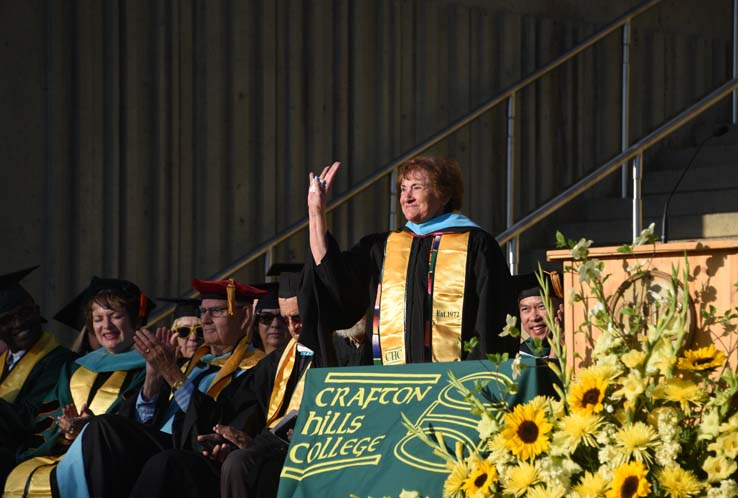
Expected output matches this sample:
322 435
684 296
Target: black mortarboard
12 292
73 314
289 278
527 285
184 307
268 301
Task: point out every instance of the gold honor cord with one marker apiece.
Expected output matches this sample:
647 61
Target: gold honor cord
282 377
3 367
11 386
81 384
448 297
393 305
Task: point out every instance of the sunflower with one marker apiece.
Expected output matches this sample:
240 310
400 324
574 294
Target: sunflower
701 359
519 478
592 485
635 441
575 429
679 483
526 431
680 391
588 391
482 475
629 481
454 483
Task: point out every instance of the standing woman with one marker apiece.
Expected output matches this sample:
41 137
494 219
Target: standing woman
94 384
431 285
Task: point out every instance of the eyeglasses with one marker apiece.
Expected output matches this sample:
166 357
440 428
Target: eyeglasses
184 331
215 311
266 318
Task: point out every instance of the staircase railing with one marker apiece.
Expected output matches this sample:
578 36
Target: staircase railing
511 235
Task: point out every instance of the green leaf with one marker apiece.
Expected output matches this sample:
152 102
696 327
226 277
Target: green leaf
561 241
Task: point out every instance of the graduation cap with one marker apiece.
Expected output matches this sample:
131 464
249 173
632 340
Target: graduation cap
74 315
12 292
526 285
268 301
229 290
184 307
290 277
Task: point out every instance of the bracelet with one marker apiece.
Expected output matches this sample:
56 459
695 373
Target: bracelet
178 384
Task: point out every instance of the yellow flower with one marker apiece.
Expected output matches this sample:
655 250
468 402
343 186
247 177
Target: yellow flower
555 491
679 483
588 391
632 387
576 428
454 483
409 494
629 481
519 478
726 445
591 486
633 358
718 468
680 391
701 359
482 475
526 431
635 441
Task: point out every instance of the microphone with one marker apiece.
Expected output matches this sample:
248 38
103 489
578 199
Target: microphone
719 131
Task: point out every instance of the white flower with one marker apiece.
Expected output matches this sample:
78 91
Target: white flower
581 249
728 489
589 271
510 328
409 494
646 237
487 426
516 367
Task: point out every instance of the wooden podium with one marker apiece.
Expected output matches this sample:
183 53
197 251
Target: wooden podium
713 269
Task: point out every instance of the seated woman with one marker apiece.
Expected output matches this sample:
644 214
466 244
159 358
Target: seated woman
187 333
271 328
94 384
431 285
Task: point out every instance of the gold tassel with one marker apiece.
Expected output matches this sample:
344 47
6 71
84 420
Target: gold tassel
142 304
558 288
231 291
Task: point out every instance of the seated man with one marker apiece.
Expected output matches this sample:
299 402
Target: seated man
29 369
536 350
253 458
114 448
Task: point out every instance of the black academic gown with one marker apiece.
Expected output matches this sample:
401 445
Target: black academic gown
344 288
537 355
243 405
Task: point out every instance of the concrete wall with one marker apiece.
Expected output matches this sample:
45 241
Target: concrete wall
160 140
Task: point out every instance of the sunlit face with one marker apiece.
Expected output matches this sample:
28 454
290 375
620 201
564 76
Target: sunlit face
221 330
291 314
419 199
187 345
273 329
532 317
20 327
113 328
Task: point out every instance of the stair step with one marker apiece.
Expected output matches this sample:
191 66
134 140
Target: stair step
704 178
683 203
615 232
710 155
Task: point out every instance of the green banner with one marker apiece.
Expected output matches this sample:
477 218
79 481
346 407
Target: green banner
349 436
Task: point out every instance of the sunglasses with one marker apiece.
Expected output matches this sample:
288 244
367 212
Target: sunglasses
268 318
184 331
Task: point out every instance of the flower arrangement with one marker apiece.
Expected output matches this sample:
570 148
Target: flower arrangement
649 417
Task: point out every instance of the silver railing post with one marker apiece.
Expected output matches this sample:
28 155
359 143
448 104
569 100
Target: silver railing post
393 201
637 202
512 246
735 60
268 258
625 107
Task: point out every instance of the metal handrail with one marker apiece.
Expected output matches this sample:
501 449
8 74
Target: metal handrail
509 95
613 164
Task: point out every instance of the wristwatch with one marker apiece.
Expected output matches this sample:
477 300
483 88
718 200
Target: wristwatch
178 384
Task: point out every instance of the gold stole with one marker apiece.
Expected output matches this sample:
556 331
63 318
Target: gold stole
80 386
284 371
240 358
449 278
11 386
31 478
